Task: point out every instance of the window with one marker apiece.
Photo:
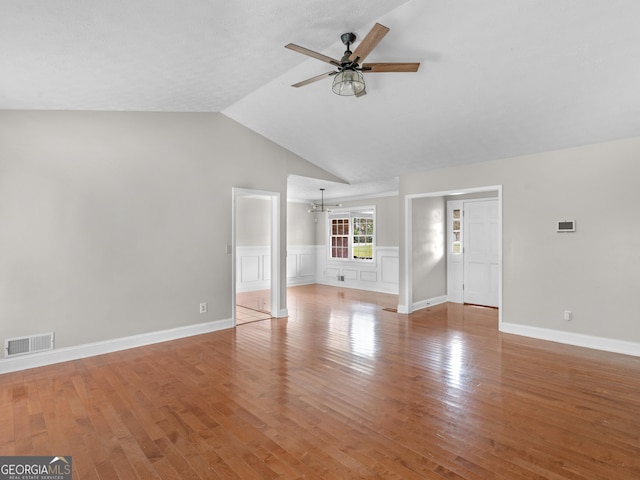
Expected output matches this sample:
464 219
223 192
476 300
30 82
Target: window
351 234
340 238
362 238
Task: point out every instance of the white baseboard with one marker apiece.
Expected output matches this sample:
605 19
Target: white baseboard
429 302
390 289
253 286
108 346
297 282
577 339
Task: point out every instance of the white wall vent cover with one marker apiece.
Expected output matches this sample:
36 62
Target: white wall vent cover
31 344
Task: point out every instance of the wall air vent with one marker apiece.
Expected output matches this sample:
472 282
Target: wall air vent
567 226
31 344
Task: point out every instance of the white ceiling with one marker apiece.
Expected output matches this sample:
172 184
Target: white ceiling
499 78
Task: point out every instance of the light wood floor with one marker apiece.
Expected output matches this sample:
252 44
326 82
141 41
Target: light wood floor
341 389
252 306
248 315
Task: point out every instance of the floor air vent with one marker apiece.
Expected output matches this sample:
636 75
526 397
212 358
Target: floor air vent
25 345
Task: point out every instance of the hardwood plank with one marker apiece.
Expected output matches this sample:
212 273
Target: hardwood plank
340 389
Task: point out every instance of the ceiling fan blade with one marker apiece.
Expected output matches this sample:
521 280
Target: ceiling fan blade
313 79
369 42
390 67
311 53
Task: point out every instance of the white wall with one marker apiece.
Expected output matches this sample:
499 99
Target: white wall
379 276
308 262
116 224
253 255
253 221
382 274
301 227
592 272
253 243
301 251
429 259
387 211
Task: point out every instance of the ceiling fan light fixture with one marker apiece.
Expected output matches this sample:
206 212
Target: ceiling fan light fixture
348 82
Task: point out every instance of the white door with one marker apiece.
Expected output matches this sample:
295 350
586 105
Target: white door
480 240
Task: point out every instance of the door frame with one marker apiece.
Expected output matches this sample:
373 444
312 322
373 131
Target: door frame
407 297
455 262
276 273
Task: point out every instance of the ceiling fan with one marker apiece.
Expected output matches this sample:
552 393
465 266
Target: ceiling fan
348 76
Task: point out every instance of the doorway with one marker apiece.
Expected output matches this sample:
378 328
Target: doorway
407 304
256 260
472 251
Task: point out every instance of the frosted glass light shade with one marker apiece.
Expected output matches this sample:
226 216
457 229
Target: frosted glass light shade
348 82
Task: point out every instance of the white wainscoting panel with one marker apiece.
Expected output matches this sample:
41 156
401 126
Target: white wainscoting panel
369 276
266 266
292 266
250 268
382 275
389 266
307 264
253 265
301 265
350 274
331 273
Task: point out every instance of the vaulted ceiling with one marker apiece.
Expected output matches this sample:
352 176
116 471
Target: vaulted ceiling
497 79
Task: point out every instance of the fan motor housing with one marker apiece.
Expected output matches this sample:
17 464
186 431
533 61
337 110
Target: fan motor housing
348 38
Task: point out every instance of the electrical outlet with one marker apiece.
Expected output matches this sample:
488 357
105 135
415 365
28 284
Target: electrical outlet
568 316
203 307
